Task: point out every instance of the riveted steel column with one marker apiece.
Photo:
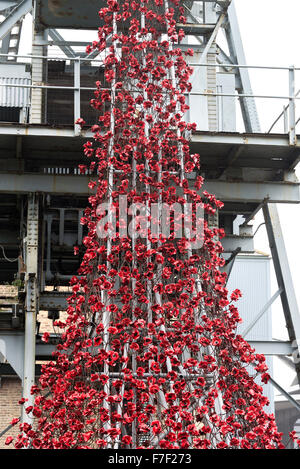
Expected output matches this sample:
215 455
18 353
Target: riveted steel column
31 304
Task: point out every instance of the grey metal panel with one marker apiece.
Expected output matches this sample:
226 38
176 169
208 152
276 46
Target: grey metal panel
226 105
14 97
251 274
74 14
226 191
260 159
231 242
272 347
12 349
198 111
10 96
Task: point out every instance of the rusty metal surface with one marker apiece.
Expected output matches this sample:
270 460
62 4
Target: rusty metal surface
49 147
75 14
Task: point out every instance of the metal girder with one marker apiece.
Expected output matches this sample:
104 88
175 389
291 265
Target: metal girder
285 394
277 192
54 300
255 211
5 4
284 278
43 351
7 370
31 301
5 44
223 58
232 156
63 45
261 313
12 349
235 138
17 13
271 347
235 44
212 38
232 138
295 160
196 28
253 192
231 242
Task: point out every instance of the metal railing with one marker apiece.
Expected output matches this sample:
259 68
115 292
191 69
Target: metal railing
288 115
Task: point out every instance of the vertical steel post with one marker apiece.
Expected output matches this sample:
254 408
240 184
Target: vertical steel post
237 54
292 107
284 279
77 67
31 301
37 109
285 120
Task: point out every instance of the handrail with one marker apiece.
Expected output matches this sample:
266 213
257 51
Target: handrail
85 59
283 113
292 97
192 93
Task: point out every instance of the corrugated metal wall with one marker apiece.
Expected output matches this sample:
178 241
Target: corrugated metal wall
251 274
11 96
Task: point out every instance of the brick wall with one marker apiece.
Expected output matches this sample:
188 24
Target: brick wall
11 390
10 394
11 387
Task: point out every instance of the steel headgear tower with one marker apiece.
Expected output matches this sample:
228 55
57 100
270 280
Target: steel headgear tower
149 355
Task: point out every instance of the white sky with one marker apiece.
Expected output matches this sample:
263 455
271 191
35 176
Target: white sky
271 36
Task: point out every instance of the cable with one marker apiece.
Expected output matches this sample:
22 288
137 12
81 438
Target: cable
6 258
258 228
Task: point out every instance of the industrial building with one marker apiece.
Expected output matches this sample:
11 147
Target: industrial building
42 193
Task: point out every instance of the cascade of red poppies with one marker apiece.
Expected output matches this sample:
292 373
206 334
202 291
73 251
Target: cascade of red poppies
149 356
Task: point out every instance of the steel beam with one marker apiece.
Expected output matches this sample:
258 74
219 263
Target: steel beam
284 278
44 351
219 138
233 154
61 43
16 15
276 192
234 138
6 4
272 347
237 53
212 38
31 302
232 242
54 300
285 394
261 313
12 349
196 29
